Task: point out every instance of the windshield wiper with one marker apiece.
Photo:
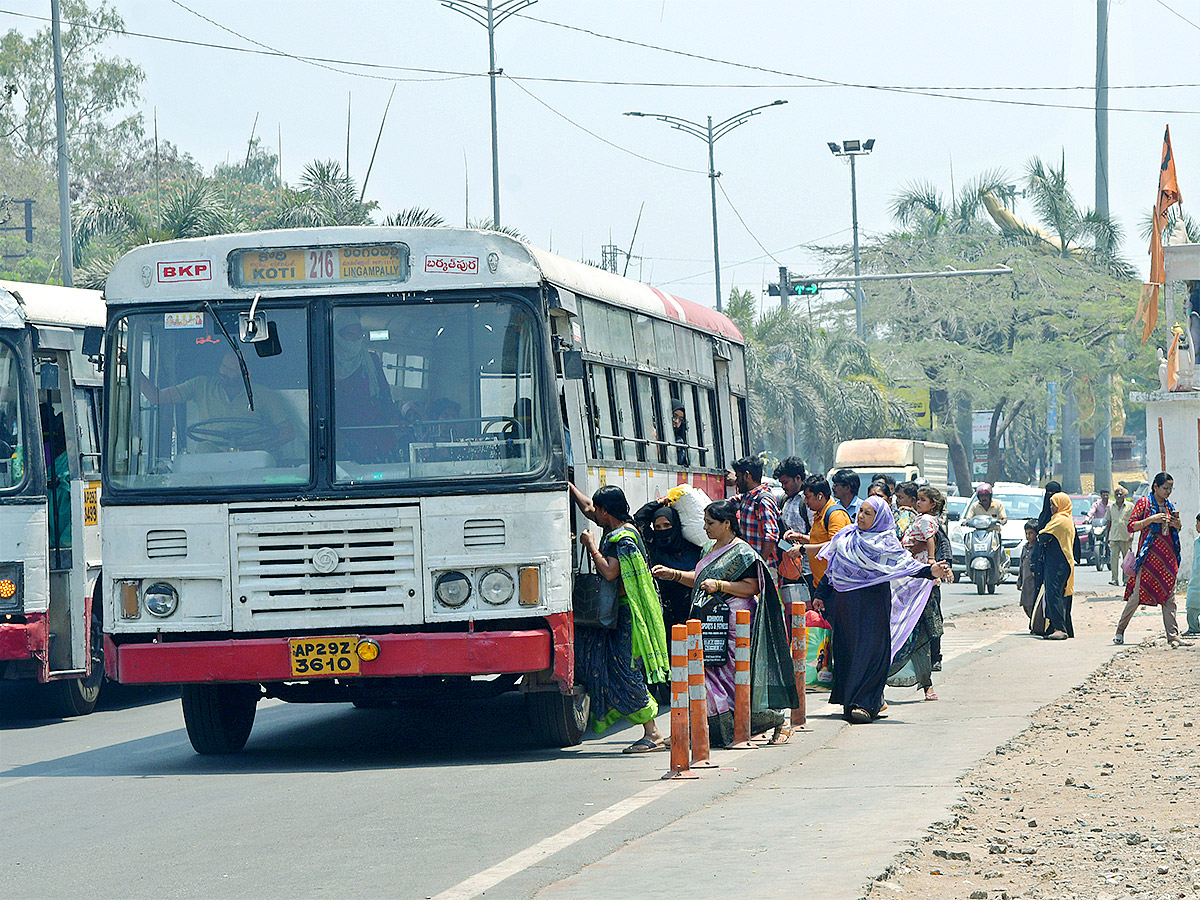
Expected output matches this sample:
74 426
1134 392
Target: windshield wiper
238 350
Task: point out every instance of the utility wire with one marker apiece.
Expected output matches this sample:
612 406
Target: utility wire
602 140
807 245
1177 14
725 194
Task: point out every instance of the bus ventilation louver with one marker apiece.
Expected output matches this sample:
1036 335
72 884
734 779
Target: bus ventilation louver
166 544
479 533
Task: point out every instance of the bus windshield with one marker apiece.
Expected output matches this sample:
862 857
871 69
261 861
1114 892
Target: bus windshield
12 441
180 412
436 390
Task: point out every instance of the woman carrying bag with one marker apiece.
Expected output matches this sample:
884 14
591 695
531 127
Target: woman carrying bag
1056 568
731 574
1156 562
615 664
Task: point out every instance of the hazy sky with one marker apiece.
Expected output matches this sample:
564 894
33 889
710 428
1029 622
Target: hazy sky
571 192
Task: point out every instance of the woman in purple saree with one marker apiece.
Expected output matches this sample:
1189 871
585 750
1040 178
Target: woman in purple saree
873 594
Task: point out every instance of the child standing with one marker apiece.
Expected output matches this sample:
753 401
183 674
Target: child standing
1193 592
920 537
1026 583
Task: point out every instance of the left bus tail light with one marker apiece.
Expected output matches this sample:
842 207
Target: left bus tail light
11 587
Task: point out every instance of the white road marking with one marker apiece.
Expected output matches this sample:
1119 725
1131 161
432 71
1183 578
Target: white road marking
518 862
978 645
4 784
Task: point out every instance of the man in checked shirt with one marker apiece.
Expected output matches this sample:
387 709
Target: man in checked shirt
758 515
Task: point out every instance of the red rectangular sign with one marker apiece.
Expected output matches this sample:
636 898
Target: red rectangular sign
185 270
451 265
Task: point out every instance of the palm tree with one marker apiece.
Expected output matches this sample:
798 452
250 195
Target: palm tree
327 196
416 217
827 384
921 206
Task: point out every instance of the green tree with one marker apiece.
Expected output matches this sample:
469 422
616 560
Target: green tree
326 196
824 385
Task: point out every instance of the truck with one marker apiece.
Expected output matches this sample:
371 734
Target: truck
903 460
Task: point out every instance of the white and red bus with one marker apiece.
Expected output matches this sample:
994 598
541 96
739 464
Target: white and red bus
50 383
336 461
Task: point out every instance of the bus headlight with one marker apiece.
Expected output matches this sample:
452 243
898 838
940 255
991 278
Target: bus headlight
452 589
496 587
160 599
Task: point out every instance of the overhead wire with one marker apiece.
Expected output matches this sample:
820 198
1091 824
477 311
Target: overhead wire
761 247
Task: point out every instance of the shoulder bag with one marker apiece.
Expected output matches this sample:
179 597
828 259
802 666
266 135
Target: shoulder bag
593 597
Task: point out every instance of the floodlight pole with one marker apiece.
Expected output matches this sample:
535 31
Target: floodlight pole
852 149
64 185
490 14
710 134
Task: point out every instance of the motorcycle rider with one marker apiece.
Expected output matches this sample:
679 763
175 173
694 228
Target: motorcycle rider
1099 508
986 505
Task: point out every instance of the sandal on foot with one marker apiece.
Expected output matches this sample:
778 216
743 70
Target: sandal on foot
782 735
859 716
645 745
1119 639
931 695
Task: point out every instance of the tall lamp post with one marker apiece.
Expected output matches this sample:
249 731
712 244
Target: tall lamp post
851 149
710 134
490 14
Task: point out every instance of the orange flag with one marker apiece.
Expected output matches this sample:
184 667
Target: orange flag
1147 312
1168 195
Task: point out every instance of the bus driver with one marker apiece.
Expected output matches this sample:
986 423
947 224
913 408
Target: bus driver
223 419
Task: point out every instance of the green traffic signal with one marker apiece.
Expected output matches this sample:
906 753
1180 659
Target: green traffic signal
805 288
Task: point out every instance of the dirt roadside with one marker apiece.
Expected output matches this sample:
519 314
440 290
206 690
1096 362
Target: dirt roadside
1099 799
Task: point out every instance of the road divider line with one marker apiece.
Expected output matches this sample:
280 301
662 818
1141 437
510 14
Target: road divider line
978 645
518 862
4 784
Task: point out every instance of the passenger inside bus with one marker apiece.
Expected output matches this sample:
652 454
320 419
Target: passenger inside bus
58 483
366 416
679 426
222 420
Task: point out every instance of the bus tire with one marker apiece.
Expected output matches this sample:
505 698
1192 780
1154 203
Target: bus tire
219 716
71 697
557 719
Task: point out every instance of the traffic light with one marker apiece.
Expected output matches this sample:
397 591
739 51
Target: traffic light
793 286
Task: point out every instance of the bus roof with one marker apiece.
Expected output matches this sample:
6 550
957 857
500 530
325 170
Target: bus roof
23 303
199 267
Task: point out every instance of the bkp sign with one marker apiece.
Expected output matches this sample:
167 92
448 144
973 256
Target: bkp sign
185 270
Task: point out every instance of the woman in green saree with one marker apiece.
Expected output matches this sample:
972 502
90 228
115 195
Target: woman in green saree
615 665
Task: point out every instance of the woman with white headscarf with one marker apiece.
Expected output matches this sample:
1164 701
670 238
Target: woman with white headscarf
875 592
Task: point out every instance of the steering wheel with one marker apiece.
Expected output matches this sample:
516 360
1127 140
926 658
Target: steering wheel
235 433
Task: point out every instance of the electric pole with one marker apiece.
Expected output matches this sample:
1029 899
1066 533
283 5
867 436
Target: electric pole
64 185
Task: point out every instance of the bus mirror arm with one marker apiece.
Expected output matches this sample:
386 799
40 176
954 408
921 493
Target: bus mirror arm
93 345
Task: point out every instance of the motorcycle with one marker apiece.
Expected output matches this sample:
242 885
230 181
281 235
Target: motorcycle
1099 544
985 553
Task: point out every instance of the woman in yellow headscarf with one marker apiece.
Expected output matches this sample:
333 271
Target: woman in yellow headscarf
1057 545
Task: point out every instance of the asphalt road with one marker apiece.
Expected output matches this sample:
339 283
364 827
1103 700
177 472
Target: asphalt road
332 800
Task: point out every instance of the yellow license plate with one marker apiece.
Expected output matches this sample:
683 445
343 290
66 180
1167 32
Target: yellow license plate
317 657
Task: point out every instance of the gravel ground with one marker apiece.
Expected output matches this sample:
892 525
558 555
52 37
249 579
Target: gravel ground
1096 800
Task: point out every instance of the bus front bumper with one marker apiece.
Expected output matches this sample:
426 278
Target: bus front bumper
269 659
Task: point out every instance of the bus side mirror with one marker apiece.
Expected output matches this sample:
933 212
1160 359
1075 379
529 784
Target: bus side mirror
252 327
93 342
268 344
572 364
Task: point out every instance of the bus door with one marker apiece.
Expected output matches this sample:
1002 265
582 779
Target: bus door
73 531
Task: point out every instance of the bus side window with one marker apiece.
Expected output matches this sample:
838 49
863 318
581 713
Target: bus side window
605 412
718 447
649 386
700 427
614 412
591 414
89 433
635 407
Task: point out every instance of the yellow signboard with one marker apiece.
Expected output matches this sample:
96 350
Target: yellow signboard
314 266
917 401
91 509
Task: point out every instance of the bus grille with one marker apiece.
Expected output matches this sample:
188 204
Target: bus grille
346 568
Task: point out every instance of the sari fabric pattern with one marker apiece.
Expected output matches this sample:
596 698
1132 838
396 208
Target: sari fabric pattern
1156 565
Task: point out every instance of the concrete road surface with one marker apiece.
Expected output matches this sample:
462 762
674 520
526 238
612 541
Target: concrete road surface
454 801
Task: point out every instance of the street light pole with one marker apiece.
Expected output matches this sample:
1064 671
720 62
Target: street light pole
710 134
490 14
64 185
852 149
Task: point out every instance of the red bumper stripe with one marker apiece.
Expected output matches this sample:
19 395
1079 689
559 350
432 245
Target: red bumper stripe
24 640
269 659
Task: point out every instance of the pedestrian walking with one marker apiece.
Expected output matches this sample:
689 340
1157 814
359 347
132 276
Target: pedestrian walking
666 546
615 664
1156 564
875 592
1055 560
758 515
828 518
1116 530
734 575
846 484
1052 488
795 521
1193 591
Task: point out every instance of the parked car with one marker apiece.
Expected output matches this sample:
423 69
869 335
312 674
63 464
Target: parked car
1081 506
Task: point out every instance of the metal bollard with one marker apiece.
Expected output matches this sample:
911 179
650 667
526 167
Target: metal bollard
698 697
679 705
799 662
741 682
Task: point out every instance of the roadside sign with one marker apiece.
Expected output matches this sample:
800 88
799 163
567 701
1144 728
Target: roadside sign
917 401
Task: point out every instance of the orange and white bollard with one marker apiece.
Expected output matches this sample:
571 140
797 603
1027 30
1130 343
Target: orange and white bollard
741 682
679 705
697 697
800 662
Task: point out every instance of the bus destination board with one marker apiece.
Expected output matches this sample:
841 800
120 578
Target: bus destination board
318 266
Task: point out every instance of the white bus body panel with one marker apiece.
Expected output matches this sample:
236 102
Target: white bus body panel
27 523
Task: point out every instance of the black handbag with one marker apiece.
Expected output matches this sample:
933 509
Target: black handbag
713 613
594 598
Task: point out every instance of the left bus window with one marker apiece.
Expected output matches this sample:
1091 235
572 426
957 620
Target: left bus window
180 415
12 443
